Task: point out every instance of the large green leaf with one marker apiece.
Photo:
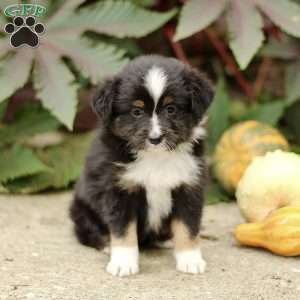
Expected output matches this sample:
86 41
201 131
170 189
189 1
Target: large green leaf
268 113
118 18
29 121
94 62
292 85
66 162
245 28
63 11
18 161
55 86
284 13
197 15
14 71
218 115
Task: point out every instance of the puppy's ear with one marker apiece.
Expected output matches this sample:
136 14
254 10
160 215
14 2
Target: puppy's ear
104 97
201 92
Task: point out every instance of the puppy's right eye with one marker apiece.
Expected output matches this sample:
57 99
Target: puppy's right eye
137 112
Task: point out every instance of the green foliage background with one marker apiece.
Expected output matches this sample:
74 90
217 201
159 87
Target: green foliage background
86 41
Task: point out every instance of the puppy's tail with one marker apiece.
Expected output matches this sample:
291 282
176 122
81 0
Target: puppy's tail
88 227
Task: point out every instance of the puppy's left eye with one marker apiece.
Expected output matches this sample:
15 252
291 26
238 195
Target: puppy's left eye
170 109
137 112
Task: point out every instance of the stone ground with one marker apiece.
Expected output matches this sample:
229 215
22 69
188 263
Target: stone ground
40 259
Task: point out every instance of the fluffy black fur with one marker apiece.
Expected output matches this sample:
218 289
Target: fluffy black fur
101 205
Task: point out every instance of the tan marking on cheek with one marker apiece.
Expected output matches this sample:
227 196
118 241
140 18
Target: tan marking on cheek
138 103
167 100
128 240
182 238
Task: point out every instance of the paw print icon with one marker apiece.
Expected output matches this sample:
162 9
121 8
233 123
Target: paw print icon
24 31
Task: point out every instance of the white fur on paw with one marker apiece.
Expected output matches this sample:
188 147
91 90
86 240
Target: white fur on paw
123 261
190 261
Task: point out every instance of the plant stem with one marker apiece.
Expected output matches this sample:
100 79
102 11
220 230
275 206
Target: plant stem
261 75
230 63
176 46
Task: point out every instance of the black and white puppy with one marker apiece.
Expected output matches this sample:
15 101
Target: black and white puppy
145 174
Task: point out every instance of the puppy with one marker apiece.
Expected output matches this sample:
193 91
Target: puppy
145 173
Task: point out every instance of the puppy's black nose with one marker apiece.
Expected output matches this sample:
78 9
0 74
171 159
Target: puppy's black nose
156 141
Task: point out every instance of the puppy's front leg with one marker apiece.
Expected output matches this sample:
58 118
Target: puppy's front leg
124 252
187 250
185 229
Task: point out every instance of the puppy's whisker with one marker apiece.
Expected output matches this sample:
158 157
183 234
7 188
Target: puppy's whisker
170 146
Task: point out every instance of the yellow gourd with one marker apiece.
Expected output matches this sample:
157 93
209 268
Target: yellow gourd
239 145
279 232
270 182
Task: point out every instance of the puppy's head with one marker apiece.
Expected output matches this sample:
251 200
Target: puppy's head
154 103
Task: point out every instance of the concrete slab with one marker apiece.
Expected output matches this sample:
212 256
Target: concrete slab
40 259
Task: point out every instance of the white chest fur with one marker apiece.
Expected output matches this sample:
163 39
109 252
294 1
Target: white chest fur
160 171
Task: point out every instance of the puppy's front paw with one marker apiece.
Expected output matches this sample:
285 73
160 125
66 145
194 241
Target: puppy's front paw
123 261
190 261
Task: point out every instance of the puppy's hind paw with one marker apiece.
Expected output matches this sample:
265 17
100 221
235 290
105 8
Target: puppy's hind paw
190 261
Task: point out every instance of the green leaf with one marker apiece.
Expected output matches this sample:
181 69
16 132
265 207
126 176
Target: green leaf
292 86
54 84
197 15
66 162
285 48
3 106
245 25
129 46
291 118
118 18
4 48
215 194
218 115
2 23
295 148
268 113
94 62
5 3
284 13
18 161
145 3
238 108
3 190
63 12
30 120
14 71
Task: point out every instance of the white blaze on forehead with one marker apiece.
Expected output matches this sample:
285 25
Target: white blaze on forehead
155 131
155 82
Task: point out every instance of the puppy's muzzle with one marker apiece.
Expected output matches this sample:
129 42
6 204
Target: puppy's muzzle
156 140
